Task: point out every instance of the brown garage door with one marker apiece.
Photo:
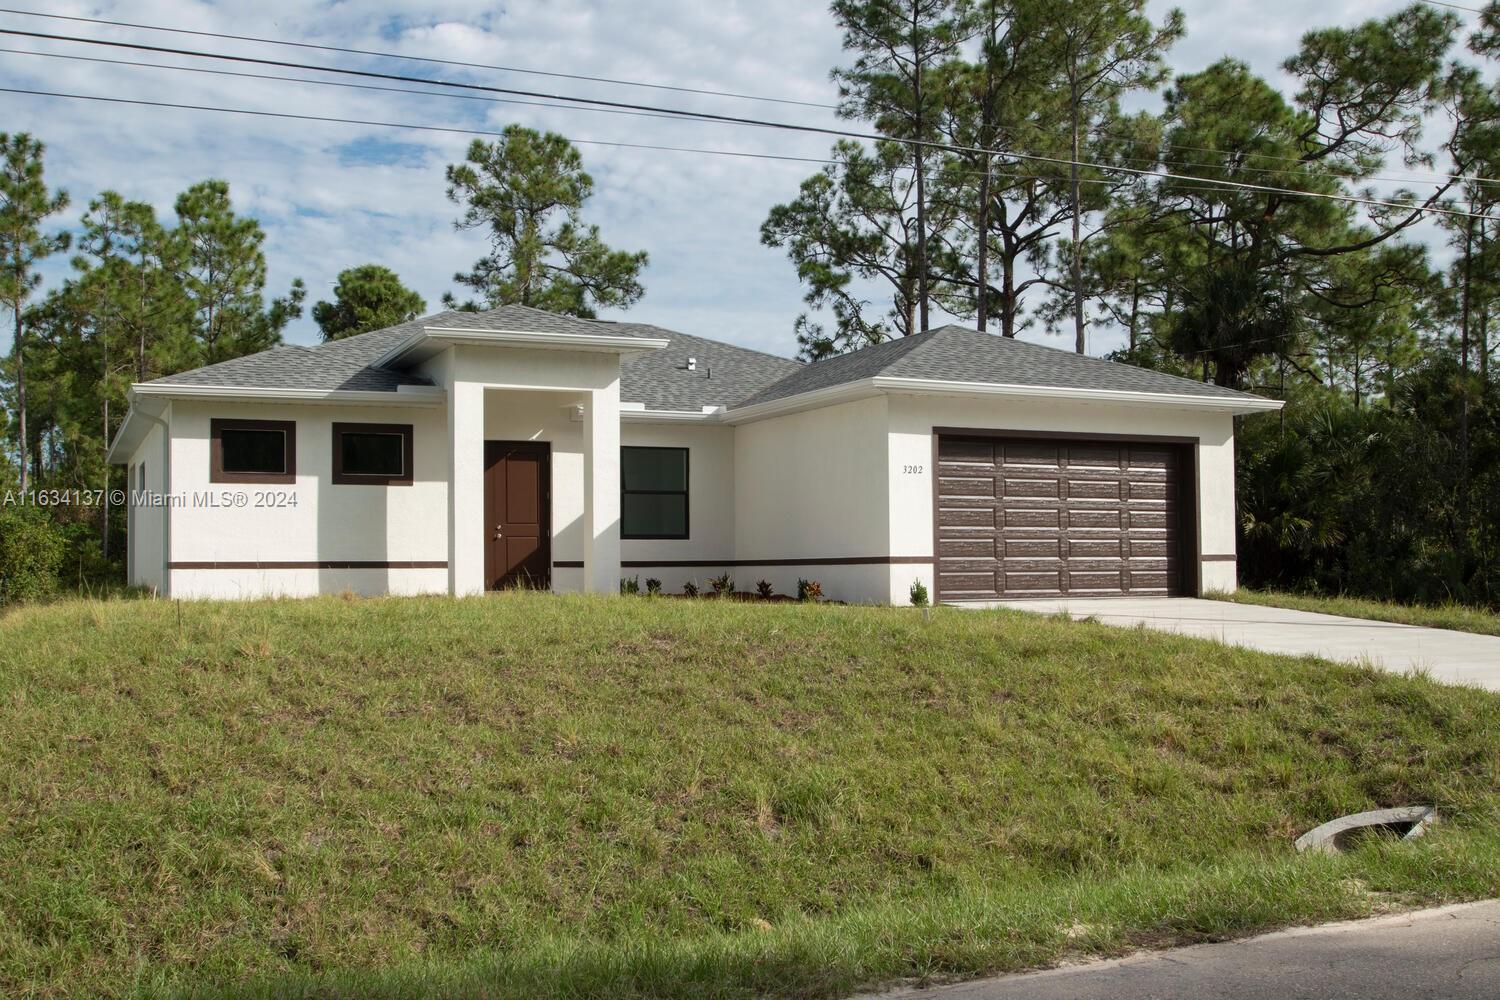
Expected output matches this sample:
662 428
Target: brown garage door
1047 518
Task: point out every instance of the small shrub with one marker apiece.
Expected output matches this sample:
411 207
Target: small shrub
690 589
32 548
919 593
723 585
764 590
653 586
630 585
809 591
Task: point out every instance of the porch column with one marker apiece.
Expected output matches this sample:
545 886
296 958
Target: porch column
601 491
466 527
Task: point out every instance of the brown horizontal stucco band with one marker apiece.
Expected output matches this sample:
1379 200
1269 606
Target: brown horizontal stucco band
1231 557
323 564
707 563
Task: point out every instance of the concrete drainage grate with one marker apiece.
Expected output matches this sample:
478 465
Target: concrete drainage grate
1409 821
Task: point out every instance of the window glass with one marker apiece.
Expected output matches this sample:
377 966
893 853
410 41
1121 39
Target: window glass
372 454
654 492
253 450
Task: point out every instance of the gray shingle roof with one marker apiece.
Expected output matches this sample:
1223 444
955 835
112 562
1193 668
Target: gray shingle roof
296 368
348 364
956 354
725 374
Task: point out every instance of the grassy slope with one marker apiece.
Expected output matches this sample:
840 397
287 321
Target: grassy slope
523 796
1460 617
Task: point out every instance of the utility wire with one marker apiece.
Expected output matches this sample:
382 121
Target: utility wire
424 59
751 122
329 83
689 90
406 125
239 74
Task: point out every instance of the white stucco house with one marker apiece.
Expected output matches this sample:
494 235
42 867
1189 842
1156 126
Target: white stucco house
464 452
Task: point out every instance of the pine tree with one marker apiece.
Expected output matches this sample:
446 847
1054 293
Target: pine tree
526 191
24 204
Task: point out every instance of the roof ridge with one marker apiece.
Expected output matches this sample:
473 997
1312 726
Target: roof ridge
711 340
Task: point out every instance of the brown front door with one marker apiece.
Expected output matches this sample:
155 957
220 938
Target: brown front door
517 522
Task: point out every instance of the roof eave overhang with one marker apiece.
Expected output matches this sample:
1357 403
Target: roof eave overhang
134 428
406 395
430 339
888 384
711 415
1242 403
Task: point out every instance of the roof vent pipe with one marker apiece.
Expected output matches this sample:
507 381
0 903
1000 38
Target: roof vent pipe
692 364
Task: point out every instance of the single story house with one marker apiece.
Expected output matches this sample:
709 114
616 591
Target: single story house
470 451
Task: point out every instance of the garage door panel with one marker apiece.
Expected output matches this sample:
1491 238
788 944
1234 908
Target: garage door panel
965 450
966 517
1096 489
1090 456
1049 518
1022 582
970 548
1021 548
966 486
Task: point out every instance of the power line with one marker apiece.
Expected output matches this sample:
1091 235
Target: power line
424 59
752 122
327 83
687 90
405 125
1454 6
563 107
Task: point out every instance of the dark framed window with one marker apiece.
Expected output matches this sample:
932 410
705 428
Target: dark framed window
252 451
372 454
653 492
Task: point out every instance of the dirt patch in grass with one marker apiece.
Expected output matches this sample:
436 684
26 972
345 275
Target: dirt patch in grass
524 795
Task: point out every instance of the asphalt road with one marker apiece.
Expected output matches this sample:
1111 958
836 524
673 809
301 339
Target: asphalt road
1451 953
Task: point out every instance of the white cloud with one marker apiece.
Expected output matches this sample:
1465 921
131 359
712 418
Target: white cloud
326 207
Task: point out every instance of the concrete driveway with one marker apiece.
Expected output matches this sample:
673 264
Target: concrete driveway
1451 953
1452 657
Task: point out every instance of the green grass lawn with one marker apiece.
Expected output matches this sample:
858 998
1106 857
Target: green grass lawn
529 796
1461 617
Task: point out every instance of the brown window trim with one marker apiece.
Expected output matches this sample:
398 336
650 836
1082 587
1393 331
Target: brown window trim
216 428
342 478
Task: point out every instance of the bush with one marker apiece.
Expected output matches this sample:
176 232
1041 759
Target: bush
690 589
723 585
653 586
810 591
630 585
919 596
32 548
764 590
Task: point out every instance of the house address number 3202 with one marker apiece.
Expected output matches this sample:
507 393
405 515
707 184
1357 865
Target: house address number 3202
912 470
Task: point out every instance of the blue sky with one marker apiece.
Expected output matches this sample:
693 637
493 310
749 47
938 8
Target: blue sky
332 195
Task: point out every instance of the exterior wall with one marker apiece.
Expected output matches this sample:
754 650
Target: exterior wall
329 522
913 418
814 485
472 375
711 500
147 535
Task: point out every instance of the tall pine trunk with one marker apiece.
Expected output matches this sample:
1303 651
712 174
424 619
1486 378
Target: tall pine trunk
921 164
1076 206
21 438
983 265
